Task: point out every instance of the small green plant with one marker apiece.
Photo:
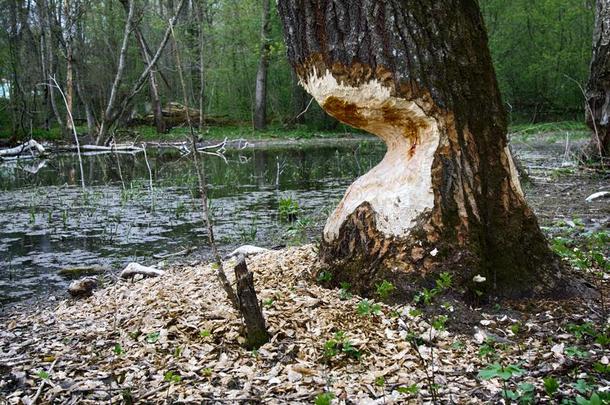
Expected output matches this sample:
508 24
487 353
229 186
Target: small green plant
206 372
340 344
380 381
344 292
205 333
172 377
367 308
385 289
288 209
118 350
505 373
408 389
324 277
43 375
152 337
268 303
576 352
551 386
325 398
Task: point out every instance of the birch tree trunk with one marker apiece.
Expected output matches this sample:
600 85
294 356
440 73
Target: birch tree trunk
260 107
446 196
598 87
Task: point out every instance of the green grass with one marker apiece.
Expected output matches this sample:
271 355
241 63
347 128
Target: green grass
276 131
542 127
237 132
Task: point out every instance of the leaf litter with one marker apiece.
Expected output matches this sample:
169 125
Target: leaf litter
176 339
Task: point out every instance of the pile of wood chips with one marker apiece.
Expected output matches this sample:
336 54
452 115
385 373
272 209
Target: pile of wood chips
176 339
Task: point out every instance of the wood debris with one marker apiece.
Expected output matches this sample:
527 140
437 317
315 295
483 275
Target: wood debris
177 338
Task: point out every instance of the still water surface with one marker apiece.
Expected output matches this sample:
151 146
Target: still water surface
47 223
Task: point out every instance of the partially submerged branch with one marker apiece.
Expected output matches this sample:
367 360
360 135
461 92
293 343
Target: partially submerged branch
29 147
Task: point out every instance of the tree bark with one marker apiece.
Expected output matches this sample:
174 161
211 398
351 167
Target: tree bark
260 107
256 330
446 196
69 15
152 81
597 93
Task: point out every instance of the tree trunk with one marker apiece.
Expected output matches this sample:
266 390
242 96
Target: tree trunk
256 330
598 88
152 82
69 21
260 107
446 196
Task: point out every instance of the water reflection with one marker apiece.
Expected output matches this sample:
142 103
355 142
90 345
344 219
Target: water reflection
48 223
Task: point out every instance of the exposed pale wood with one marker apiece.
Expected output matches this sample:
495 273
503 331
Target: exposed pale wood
134 269
29 147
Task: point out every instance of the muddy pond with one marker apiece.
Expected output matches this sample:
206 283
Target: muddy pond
48 224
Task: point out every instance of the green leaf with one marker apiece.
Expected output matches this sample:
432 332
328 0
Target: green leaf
152 337
550 386
324 399
411 389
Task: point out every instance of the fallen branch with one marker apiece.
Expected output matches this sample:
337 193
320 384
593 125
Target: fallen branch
246 251
597 195
29 146
133 269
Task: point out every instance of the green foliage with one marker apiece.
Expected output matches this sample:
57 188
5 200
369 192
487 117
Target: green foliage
340 344
443 283
497 370
344 292
288 209
118 349
324 398
384 289
551 386
43 375
367 308
324 276
409 389
172 377
152 337
535 47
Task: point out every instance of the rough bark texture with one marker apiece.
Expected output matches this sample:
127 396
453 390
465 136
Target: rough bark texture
256 331
260 104
419 75
598 87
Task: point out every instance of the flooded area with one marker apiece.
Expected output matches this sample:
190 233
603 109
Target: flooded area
47 222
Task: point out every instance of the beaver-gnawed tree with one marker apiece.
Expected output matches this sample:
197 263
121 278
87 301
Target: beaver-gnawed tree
446 196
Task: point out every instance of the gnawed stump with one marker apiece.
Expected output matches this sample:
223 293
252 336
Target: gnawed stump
256 330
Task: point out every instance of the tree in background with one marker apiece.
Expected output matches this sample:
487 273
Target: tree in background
539 48
260 102
598 87
446 196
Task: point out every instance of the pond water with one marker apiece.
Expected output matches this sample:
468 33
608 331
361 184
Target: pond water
47 222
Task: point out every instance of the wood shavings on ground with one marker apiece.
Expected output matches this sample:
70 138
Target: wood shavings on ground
176 339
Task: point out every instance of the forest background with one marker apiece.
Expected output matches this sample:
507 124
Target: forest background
541 51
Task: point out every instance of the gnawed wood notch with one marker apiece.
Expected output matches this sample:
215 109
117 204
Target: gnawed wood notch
256 330
446 196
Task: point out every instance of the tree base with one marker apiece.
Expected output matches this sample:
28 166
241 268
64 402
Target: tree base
363 257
